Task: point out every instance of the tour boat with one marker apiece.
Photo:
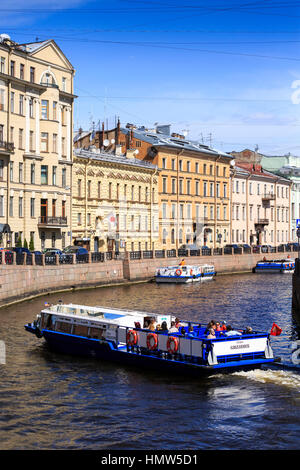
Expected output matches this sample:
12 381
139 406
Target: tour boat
124 336
275 266
184 274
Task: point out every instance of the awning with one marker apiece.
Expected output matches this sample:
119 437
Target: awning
5 228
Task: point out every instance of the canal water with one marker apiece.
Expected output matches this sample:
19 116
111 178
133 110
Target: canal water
53 401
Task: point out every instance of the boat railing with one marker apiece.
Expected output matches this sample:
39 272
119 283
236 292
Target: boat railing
191 346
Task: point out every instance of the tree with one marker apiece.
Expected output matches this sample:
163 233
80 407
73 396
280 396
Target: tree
19 242
31 244
25 244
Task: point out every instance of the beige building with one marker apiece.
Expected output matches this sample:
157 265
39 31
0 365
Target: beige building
36 109
115 202
260 204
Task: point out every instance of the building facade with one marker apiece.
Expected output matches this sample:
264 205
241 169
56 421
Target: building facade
115 202
260 203
193 182
36 120
288 166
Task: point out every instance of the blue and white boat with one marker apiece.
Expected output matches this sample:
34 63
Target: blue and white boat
184 274
275 266
124 336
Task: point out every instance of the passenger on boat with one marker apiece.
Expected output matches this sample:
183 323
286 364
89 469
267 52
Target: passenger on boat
248 331
211 334
158 327
173 328
230 332
152 325
218 326
182 262
177 322
137 324
211 324
223 327
183 331
164 326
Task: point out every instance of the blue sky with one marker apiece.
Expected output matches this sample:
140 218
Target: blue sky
226 72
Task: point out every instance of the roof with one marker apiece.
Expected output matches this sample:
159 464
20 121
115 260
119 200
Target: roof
163 140
113 158
257 170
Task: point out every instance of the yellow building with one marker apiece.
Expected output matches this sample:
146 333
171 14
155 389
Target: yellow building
115 202
36 109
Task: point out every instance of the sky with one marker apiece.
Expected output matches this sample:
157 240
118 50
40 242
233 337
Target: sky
223 72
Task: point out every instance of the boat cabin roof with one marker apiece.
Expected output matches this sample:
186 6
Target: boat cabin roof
105 314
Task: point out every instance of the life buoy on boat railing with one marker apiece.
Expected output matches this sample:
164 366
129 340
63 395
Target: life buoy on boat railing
191 272
152 341
131 337
178 272
172 344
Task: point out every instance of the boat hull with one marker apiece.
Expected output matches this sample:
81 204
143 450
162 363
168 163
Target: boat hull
106 350
183 279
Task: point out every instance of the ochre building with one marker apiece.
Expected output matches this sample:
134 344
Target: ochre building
115 202
36 109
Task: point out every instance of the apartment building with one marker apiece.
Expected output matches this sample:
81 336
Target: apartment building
115 202
260 203
193 184
36 109
287 166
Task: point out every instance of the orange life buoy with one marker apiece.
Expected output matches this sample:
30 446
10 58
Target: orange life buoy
191 272
178 272
152 341
172 344
131 337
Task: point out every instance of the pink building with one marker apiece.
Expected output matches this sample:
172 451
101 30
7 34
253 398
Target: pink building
260 203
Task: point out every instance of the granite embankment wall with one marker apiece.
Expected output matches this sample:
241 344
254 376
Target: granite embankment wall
18 282
296 289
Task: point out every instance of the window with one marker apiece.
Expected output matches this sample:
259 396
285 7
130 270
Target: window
54 110
164 163
12 68
1 206
11 171
79 218
173 186
164 188
54 143
2 65
63 146
99 189
21 105
197 167
20 207
32 74
22 68
32 207
45 114
54 169
173 164
12 102
64 84
31 141
89 183
205 188
63 209
204 169
31 107
79 188
2 99
11 206
20 138
20 172
53 207
180 186
211 189
64 177
1 132
224 190
1 169
32 173
197 188
44 142
44 174
188 187
188 166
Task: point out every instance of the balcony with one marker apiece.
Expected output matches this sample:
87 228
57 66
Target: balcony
267 197
6 146
261 222
52 222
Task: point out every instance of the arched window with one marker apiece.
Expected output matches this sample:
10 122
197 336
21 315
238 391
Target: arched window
48 79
